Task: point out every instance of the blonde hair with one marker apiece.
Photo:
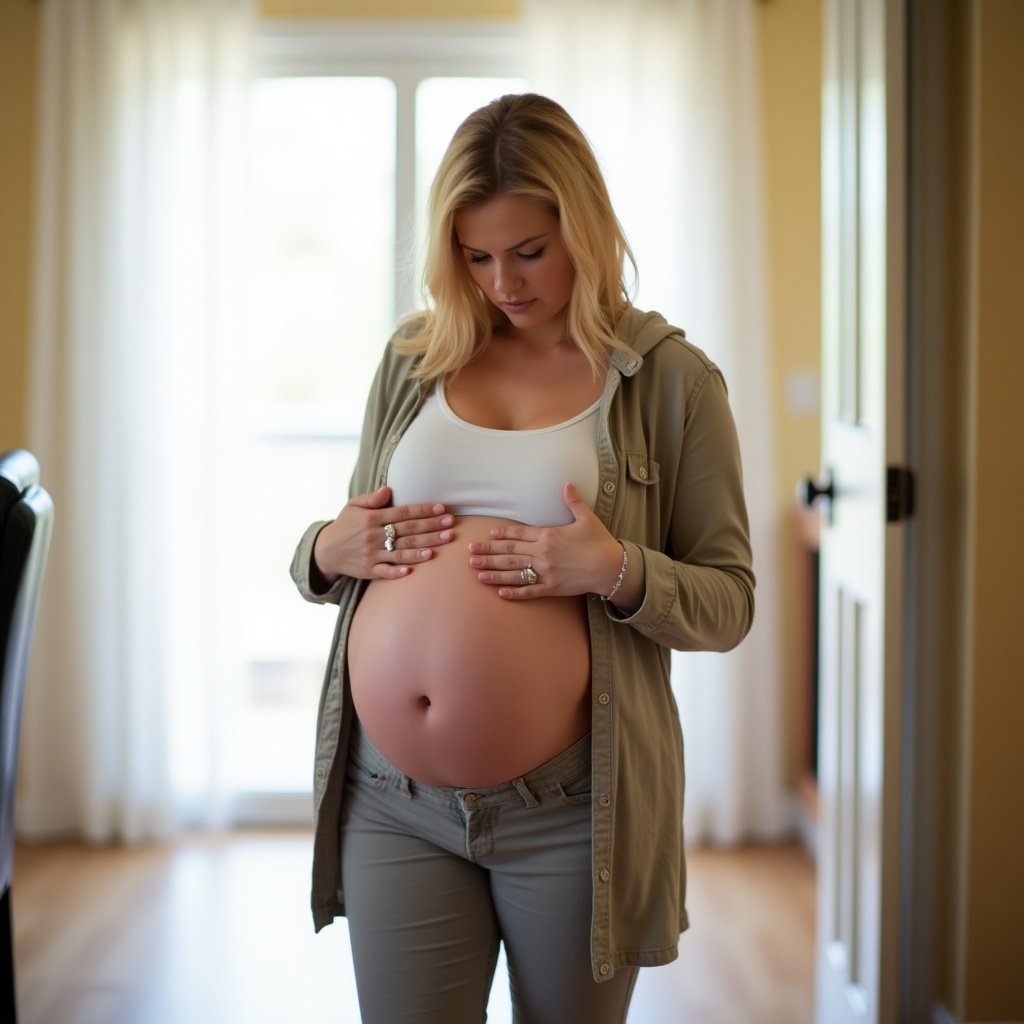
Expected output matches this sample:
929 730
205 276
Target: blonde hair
525 146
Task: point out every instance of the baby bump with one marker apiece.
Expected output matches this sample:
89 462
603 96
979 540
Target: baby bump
459 687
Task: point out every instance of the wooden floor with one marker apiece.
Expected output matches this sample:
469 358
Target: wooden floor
215 931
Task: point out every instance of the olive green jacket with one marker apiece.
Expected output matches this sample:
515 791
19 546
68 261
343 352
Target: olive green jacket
671 491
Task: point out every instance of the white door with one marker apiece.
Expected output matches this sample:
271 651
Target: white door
863 270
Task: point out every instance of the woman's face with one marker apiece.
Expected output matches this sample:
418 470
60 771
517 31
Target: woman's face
514 251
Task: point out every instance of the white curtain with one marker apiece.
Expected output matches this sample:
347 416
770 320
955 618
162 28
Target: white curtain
139 241
666 90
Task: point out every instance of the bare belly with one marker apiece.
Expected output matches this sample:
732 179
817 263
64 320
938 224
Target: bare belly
459 687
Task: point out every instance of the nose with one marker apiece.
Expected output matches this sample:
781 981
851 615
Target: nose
506 278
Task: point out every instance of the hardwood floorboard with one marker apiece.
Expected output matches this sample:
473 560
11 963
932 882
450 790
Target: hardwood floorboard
217 931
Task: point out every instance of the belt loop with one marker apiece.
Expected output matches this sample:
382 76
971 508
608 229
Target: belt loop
524 791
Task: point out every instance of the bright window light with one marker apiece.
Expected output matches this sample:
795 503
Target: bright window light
326 153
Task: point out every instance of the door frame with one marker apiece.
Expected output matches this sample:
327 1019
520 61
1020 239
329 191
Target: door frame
934 135
936 166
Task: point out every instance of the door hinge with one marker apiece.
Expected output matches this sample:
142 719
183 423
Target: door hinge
899 494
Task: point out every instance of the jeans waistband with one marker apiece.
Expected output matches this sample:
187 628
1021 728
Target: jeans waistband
571 763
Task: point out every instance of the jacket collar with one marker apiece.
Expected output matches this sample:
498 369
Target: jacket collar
640 332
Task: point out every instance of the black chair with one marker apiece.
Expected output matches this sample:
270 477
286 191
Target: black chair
26 523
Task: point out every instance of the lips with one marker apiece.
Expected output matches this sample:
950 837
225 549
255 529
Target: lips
517 307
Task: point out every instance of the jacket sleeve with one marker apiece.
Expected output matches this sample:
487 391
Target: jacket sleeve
699 590
361 483
302 560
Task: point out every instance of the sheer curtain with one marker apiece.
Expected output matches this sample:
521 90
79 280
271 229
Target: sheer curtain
136 341
666 90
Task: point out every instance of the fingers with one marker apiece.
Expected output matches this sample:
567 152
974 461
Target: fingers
412 513
519 575
411 534
396 570
380 498
390 565
375 499
503 565
527 585
513 533
567 560
370 539
403 526
575 503
416 526
506 540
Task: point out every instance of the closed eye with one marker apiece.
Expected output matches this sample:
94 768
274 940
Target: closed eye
482 257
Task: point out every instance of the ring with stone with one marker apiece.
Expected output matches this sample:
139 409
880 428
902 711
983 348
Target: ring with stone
389 537
528 575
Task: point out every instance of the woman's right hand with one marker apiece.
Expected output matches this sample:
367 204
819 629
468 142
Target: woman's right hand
355 543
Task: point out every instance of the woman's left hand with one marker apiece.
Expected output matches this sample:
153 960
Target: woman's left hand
580 558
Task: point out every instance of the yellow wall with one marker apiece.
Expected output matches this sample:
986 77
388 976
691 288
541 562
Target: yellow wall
992 883
18 22
790 37
969 364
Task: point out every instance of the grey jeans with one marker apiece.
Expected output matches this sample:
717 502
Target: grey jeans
435 878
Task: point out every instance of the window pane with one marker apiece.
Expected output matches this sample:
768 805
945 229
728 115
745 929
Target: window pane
323 220
285 640
324 250
323 288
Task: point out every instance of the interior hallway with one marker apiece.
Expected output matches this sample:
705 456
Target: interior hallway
216 931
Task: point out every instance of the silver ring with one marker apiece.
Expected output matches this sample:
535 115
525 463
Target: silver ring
389 537
528 576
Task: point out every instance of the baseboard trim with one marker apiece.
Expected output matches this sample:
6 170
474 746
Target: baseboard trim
270 809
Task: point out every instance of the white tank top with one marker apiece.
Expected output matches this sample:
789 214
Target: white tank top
515 474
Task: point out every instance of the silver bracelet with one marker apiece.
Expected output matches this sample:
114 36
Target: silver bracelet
621 576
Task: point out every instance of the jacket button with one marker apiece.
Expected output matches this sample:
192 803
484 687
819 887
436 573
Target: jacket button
642 473
320 773
604 800
603 698
605 874
604 969
608 487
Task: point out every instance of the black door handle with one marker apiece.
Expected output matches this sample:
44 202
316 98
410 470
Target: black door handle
809 490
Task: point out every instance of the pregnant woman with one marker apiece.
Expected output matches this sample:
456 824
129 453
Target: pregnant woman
547 499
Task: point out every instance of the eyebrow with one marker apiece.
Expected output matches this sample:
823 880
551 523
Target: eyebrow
511 248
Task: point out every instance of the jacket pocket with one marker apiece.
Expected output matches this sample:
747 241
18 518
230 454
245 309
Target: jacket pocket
641 469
